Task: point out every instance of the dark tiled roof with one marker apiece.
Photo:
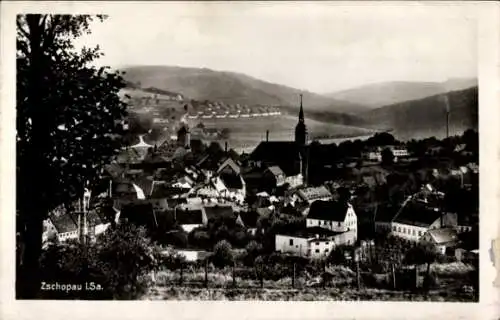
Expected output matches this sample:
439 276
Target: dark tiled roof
417 214
188 216
386 213
328 210
231 181
284 154
140 213
64 223
312 232
249 218
275 170
276 151
218 211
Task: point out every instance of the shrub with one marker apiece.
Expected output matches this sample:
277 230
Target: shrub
223 255
252 251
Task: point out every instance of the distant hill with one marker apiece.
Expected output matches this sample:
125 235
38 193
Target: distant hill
229 87
427 117
376 95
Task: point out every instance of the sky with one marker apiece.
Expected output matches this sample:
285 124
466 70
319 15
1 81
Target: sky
321 47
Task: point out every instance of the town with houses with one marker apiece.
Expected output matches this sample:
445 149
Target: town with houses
181 189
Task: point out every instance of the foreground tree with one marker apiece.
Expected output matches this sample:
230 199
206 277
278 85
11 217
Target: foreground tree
68 125
120 264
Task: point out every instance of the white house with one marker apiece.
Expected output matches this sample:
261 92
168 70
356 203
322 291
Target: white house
314 242
415 218
63 225
335 216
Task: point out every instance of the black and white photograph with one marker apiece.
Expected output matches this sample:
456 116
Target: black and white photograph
253 151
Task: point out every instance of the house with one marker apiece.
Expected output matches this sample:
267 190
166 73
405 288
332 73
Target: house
248 220
235 188
229 166
312 242
415 218
275 176
64 225
335 216
185 182
219 211
140 213
190 217
312 194
285 154
442 239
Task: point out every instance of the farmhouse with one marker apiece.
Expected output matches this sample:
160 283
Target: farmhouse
335 216
416 218
314 242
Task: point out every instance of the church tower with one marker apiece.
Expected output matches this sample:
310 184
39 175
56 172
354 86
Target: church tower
300 129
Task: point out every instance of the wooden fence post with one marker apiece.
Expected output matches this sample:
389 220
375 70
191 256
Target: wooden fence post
182 274
393 276
358 278
234 275
206 273
324 275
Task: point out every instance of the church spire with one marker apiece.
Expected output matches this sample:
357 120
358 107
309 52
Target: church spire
301 112
300 129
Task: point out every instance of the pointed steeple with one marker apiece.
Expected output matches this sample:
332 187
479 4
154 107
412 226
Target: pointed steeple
300 129
301 112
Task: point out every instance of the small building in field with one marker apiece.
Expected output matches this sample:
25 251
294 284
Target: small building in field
441 239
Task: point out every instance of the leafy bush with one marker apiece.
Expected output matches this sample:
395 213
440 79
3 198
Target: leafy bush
223 255
252 251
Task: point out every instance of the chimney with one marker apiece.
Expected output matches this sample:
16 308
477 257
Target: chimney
267 135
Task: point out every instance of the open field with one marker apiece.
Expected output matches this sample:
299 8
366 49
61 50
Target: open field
307 294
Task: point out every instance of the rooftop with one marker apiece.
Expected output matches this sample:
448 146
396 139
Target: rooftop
417 214
328 210
312 232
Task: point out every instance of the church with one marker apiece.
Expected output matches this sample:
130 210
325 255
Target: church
291 156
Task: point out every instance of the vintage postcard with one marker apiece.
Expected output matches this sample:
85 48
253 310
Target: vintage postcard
287 152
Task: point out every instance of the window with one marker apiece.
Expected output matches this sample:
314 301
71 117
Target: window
420 233
339 223
317 243
326 243
348 242
291 242
319 222
414 232
326 250
399 229
394 228
404 230
317 251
